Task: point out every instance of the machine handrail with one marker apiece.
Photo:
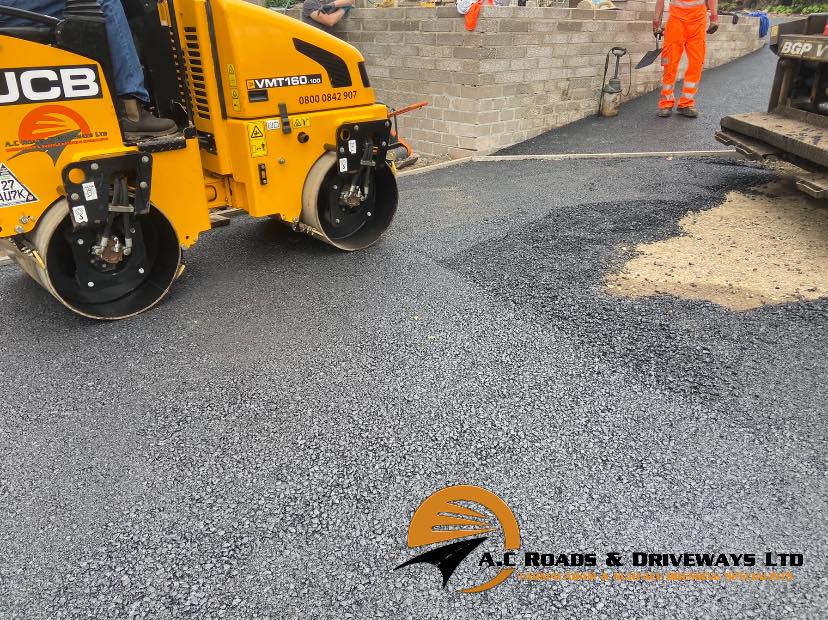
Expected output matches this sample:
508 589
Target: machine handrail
38 34
35 17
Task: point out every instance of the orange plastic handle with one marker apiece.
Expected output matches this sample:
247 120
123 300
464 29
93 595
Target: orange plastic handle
408 108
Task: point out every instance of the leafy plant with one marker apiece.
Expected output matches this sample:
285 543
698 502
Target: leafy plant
798 9
281 4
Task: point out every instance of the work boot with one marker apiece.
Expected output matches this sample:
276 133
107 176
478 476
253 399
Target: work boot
689 112
665 112
147 126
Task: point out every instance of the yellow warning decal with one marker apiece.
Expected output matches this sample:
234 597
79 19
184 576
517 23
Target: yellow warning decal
300 122
234 90
256 138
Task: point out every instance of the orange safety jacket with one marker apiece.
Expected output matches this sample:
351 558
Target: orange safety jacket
473 13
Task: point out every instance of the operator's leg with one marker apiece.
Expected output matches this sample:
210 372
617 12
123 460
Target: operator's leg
696 46
129 77
670 57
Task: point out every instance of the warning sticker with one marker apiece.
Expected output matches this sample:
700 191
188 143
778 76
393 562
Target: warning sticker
343 164
12 191
234 90
89 190
300 122
79 214
352 146
256 138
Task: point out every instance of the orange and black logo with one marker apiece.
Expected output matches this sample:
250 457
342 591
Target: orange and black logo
455 522
50 129
464 517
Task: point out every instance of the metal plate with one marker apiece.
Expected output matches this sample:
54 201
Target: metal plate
92 194
804 47
797 137
351 139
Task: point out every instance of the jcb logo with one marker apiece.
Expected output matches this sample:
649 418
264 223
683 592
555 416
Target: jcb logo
36 84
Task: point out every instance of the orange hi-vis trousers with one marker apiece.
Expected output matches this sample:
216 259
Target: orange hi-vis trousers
686 30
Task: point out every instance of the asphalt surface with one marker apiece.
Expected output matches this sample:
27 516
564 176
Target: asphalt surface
736 87
255 446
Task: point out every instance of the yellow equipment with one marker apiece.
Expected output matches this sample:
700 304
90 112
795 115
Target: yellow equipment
275 117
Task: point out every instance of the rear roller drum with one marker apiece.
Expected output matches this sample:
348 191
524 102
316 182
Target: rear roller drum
348 211
109 272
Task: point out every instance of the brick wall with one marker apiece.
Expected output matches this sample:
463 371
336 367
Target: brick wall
523 71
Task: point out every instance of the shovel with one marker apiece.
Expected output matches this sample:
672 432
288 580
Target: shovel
650 56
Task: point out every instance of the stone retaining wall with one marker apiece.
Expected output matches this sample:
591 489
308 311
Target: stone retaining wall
524 70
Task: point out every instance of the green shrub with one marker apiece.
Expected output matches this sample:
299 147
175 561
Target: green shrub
798 9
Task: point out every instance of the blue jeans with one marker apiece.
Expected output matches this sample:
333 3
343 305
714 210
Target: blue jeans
128 75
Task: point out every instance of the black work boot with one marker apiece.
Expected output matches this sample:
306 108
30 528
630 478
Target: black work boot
665 112
689 111
147 126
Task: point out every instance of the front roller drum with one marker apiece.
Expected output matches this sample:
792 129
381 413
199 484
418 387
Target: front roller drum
347 228
69 271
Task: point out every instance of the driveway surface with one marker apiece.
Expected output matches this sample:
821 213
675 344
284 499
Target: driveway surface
740 86
255 446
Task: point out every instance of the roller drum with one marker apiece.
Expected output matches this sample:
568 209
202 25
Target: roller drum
325 217
134 285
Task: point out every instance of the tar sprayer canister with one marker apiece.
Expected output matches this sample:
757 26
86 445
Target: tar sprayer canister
611 92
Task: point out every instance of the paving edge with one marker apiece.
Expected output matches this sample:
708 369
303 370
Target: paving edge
565 156
437 166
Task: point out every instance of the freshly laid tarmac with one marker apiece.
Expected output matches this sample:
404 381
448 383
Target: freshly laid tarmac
255 446
739 86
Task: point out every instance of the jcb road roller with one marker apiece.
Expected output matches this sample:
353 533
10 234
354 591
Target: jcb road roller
274 117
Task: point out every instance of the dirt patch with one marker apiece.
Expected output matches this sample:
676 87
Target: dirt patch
768 246
428 160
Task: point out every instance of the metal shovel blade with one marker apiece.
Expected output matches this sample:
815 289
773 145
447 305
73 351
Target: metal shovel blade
648 59
650 56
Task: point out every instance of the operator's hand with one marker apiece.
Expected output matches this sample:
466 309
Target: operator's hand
714 24
657 27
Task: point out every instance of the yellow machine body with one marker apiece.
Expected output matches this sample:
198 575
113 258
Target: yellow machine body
253 68
40 138
268 97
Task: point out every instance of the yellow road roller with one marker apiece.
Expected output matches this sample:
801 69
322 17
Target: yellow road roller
275 118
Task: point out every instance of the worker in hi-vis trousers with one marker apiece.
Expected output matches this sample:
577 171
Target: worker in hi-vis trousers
685 31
